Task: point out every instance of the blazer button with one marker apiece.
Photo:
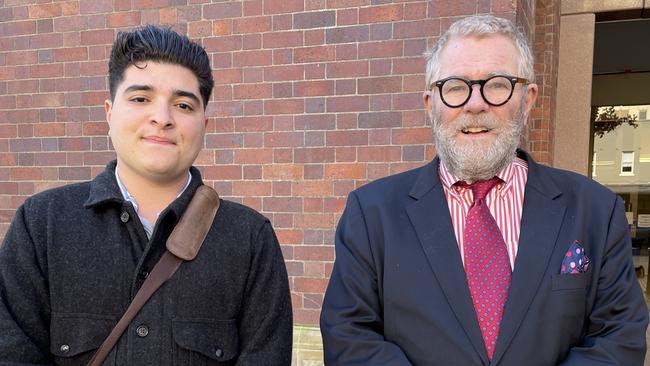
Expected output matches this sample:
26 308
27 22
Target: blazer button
142 331
218 352
65 348
124 217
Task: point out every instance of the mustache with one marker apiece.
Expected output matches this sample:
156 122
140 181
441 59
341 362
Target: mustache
469 121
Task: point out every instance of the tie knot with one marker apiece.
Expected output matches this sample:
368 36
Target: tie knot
480 188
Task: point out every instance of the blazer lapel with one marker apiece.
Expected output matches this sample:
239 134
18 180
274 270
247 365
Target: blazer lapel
430 217
541 219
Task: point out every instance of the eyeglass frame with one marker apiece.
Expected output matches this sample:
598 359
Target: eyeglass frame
470 83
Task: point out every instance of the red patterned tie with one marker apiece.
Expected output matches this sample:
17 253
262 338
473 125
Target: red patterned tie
486 263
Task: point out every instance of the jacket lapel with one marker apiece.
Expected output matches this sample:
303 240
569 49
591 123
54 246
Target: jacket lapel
430 217
541 219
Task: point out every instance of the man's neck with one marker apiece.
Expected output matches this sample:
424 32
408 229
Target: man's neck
152 196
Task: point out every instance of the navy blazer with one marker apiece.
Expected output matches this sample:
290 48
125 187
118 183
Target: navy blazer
398 293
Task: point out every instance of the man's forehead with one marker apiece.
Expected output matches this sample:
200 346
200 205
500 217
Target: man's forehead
177 77
489 55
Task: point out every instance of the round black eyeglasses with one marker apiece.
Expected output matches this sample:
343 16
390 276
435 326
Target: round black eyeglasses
495 90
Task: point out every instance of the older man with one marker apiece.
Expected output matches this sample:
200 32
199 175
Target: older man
74 257
483 257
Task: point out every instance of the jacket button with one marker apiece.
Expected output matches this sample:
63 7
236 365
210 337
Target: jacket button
144 274
142 331
124 217
65 348
218 352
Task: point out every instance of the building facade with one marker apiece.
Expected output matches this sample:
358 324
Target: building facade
313 98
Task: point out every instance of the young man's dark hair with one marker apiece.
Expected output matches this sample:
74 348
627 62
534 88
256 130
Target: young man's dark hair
160 44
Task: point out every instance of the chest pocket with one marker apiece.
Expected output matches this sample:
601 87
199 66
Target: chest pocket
74 338
205 342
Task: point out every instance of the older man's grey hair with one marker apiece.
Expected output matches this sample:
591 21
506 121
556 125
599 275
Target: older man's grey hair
480 26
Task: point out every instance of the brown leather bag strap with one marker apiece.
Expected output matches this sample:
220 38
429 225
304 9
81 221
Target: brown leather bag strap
183 244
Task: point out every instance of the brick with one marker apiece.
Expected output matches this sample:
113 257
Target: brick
222 10
99 158
252 91
347 34
123 19
282 204
379 153
284 106
74 143
21 174
71 54
315 221
44 10
223 172
314 37
283 139
315 122
227 76
380 119
95 128
380 49
314 253
318 19
92 7
314 88
252 25
442 8
253 124
283 6
282 39
104 36
347 138
21 58
347 3
252 188
417 28
418 11
413 65
253 156
387 13
252 58
69 24
70 8
288 236
407 101
282 90
223 44
389 84
347 69
313 54
282 172
8 131
351 103
404 136
74 173
18 28
45 26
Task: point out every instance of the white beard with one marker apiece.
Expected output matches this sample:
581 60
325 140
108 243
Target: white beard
474 160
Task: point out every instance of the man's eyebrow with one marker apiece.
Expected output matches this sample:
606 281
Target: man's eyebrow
184 93
138 87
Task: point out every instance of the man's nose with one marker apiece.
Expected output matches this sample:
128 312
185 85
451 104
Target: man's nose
162 115
476 103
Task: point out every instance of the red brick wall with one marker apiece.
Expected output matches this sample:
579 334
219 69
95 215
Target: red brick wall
545 49
313 98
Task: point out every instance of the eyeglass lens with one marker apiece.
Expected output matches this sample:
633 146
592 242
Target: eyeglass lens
496 90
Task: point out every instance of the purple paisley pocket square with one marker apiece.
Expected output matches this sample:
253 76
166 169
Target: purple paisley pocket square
575 260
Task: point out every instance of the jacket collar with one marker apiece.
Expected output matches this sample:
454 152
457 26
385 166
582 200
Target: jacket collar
105 190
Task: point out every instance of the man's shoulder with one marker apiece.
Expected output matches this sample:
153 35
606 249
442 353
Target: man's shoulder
396 185
240 215
73 194
569 181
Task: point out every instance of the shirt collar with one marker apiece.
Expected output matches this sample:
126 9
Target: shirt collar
127 196
506 175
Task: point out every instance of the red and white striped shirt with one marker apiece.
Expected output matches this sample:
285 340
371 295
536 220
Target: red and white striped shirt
505 201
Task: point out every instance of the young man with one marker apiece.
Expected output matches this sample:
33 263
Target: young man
483 257
75 256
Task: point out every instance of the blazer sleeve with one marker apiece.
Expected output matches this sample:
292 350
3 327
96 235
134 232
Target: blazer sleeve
618 320
24 298
265 322
351 319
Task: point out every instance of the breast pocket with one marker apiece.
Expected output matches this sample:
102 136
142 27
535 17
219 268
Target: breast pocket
205 342
74 338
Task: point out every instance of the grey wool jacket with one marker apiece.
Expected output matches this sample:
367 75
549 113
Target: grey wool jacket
75 256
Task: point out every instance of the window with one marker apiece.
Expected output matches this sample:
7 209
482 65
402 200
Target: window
627 163
643 114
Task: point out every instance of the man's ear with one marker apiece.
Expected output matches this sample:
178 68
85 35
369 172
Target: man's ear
530 98
108 109
427 98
